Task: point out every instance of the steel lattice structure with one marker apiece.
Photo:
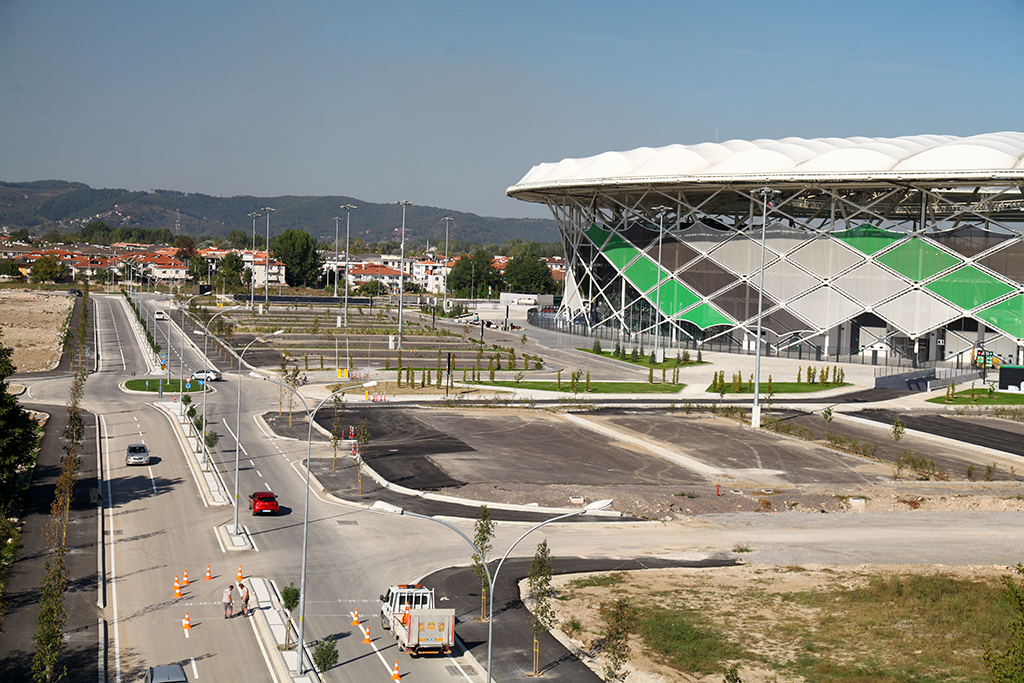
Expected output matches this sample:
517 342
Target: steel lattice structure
911 246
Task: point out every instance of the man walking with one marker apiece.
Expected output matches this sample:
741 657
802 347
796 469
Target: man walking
229 605
243 595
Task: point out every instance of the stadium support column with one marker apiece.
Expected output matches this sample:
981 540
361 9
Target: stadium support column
755 413
622 310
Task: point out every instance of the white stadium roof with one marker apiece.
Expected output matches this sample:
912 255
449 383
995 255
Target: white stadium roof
991 156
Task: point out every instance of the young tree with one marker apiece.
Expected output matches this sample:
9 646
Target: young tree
1008 666
289 600
540 594
484 532
618 623
826 415
896 432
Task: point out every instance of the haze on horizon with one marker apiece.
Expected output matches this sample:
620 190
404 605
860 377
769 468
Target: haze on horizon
448 103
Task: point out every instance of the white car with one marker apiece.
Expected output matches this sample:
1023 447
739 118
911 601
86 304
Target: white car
206 376
159 315
136 454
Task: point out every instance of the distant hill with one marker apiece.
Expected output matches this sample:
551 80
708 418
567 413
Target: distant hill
66 206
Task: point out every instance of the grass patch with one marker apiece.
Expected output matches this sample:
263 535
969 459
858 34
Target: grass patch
684 639
153 384
596 580
643 361
909 629
595 387
781 388
981 398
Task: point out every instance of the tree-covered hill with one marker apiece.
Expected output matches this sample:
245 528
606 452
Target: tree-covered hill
46 205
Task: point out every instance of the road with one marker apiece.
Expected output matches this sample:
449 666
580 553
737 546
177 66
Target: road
159 524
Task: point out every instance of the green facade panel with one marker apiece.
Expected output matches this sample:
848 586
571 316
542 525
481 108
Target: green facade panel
969 288
620 252
674 297
596 235
918 260
1007 316
643 274
704 316
867 238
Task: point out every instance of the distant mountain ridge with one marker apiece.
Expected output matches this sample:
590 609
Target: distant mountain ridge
43 205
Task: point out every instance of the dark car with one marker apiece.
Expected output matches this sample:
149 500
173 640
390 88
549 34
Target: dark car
263 502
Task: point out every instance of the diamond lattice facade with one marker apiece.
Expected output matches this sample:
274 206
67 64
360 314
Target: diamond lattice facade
909 246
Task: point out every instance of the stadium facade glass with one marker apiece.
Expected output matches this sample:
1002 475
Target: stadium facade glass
904 247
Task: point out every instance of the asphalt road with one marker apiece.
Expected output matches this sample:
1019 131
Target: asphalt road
159 525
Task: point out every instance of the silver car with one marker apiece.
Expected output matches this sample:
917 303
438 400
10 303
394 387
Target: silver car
136 454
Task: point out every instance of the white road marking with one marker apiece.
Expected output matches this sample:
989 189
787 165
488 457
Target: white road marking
266 657
152 480
219 542
252 463
195 671
258 473
251 540
374 646
267 486
113 570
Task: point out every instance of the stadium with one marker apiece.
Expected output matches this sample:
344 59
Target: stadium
875 250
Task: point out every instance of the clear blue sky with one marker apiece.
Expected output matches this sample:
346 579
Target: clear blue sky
448 103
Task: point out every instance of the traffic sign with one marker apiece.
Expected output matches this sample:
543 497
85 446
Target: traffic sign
188 385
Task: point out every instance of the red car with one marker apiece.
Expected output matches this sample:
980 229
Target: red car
263 502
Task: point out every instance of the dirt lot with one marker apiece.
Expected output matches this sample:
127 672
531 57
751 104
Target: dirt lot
32 323
765 611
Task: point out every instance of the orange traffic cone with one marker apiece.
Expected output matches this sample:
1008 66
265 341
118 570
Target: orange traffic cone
187 625
355 618
395 676
184 579
366 636
177 587
209 576
239 577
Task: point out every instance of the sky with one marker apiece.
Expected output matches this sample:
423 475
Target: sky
448 103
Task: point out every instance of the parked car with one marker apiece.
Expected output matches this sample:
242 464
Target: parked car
206 376
136 454
169 673
263 502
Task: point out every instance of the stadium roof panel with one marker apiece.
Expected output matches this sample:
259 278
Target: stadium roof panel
926 157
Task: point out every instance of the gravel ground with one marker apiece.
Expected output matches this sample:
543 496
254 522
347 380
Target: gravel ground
659 502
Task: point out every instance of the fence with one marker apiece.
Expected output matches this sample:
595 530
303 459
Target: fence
804 351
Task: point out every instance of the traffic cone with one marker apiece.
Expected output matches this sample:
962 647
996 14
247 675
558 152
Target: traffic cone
187 626
209 576
177 587
366 636
395 676
355 618
184 579
239 577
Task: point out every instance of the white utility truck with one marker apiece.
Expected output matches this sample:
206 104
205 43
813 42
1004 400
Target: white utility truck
408 612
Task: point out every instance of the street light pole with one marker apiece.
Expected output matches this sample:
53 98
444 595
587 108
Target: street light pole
252 273
492 578
181 354
447 221
337 219
238 417
310 415
349 208
401 273
266 269
661 239
755 412
206 339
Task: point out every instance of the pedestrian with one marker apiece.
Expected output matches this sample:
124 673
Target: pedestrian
244 597
229 606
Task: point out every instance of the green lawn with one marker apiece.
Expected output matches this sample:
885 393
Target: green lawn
595 387
152 384
642 361
781 388
981 398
